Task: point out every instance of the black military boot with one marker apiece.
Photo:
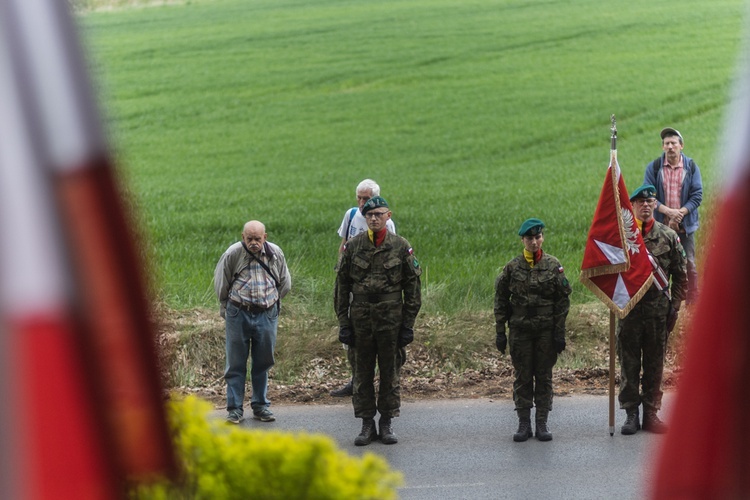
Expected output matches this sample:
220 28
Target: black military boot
651 422
368 434
345 391
632 422
524 425
386 432
542 433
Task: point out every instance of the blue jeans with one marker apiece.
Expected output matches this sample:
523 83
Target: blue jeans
253 334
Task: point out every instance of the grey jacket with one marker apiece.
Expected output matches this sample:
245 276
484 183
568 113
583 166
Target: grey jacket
236 258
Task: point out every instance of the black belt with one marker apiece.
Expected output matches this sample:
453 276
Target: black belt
376 297
248 307
532 311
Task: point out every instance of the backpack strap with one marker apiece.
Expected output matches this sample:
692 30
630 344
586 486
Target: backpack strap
349 223
657 166
262 264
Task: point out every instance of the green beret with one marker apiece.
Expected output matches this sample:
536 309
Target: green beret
644 192
531 227
374 202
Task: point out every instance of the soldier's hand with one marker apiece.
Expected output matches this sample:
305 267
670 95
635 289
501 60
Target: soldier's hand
346 336
501 341
405 336
559 344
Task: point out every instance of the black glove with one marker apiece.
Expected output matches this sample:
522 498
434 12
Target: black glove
559 344
405 336
346 336
501 341
672 317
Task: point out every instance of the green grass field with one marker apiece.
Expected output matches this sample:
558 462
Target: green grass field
472 115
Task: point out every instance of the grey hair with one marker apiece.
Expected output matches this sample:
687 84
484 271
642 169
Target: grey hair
370 185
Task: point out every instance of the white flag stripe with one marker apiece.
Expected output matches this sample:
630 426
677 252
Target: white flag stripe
621 296
616 255
30 247
58 83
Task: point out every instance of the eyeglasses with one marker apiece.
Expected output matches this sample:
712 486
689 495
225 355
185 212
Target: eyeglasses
375 214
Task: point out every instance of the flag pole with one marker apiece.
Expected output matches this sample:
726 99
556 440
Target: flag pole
611 373
613 154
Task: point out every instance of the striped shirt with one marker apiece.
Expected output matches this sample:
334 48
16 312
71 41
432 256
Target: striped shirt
673 176
254 286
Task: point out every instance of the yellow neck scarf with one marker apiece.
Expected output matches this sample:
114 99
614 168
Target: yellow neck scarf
529 257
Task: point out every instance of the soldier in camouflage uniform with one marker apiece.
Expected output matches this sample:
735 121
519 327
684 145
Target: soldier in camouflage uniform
532 296
379 269
642 334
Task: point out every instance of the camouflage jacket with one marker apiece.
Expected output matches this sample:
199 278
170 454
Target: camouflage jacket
368 270
532 298
664 244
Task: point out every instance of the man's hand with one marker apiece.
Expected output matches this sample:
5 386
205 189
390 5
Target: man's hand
405 336
501 341
346 336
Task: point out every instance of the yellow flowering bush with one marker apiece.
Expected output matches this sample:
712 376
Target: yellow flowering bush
223 461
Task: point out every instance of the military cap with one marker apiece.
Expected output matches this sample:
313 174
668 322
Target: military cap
531 227
374 202
643 192
670 131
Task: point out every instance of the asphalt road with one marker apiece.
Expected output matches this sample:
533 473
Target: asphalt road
464 449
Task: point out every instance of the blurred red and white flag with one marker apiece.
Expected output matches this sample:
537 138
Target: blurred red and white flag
615 261
82 402
706 453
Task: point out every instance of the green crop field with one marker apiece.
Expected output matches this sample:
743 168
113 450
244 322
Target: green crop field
473 115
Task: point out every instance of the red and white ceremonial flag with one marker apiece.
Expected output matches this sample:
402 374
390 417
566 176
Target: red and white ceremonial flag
82 407
52 443
615 261
706 453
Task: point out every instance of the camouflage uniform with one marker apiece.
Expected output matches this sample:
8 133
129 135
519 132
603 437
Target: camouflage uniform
378 278
534 301
642 334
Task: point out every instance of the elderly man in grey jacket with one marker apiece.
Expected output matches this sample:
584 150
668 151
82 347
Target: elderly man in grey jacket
250 280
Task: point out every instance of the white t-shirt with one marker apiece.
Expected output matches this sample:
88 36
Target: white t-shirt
358 224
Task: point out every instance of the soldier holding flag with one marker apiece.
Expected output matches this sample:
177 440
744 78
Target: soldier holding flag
642 334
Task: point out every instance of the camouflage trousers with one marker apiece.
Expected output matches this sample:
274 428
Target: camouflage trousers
376 345
641 340
352 357
533 357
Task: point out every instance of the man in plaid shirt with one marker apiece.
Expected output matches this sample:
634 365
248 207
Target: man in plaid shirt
679 192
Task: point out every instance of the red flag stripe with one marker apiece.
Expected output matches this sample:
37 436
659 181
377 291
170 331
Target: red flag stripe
64 455
707 453
112 282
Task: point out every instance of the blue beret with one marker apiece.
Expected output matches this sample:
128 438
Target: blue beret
374 202
645 191
531 227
